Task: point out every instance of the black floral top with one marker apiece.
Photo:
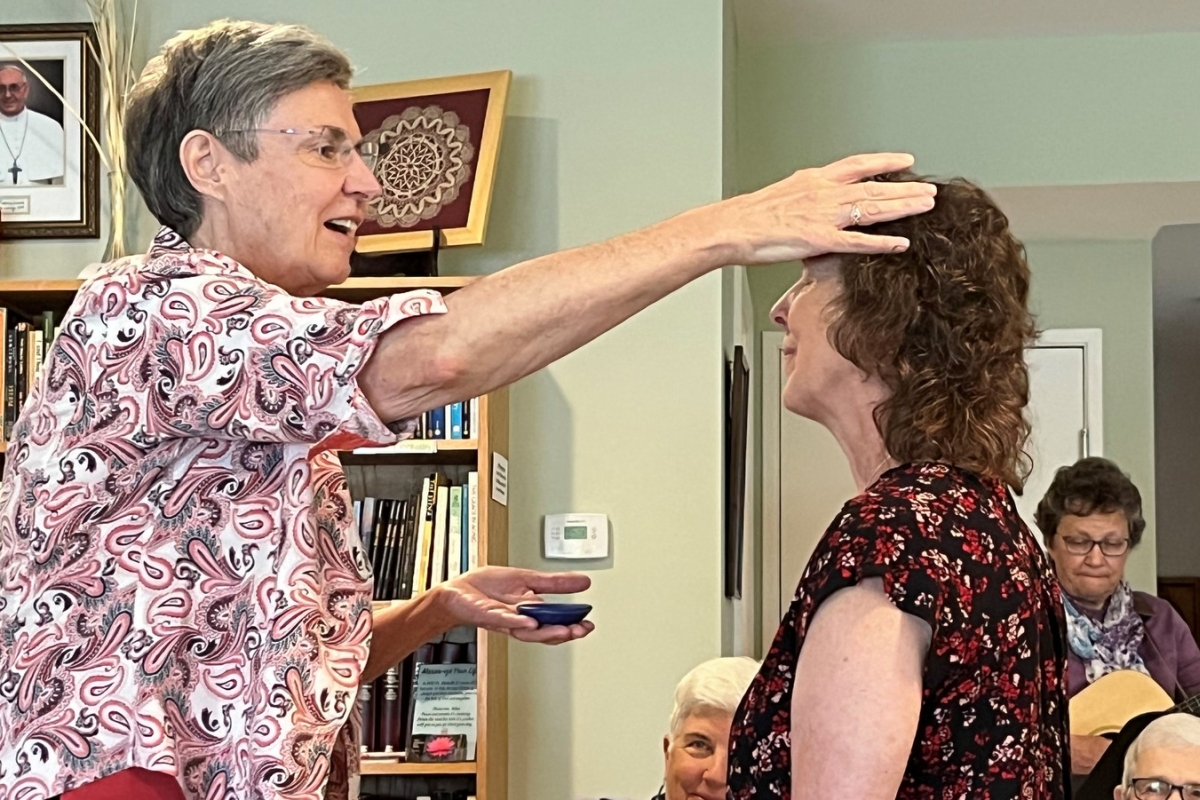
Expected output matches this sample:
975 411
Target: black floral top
952 551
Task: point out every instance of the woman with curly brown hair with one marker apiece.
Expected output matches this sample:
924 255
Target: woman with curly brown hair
924 653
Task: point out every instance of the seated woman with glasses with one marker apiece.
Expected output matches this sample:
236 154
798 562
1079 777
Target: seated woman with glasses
1091 517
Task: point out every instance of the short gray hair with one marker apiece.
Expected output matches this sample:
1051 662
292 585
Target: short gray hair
226 76
1173 730
714 687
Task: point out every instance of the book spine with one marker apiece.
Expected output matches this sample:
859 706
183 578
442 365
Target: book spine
396 525
437 423
473 530
391 721
368 719
456 421
420 562
454 534
437 572
5 425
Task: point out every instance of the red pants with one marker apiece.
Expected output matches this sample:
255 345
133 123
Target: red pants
129 783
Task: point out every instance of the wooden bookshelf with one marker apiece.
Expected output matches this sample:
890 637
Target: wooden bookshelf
368 470
380 767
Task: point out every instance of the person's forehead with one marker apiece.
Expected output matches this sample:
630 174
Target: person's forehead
1177 764
12 75
314 106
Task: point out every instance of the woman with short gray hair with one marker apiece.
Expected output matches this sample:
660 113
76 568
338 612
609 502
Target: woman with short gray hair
1163 759
697 743
184 603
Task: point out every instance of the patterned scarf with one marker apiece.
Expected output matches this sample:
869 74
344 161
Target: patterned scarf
1112 644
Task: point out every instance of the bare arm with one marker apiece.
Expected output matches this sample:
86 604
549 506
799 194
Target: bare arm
516 321
857 697
485 598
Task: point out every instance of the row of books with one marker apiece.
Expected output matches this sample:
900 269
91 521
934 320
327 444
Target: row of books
420 541
23 348
431 694
455 421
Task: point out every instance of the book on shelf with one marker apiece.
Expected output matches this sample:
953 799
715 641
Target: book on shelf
24 342
445 702
410 699
415 543
454 422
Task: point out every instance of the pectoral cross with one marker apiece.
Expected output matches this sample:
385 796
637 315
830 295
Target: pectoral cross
15 171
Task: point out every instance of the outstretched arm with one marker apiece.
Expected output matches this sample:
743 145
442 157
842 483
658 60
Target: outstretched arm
516 321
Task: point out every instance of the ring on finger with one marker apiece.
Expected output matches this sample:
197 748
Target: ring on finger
855 215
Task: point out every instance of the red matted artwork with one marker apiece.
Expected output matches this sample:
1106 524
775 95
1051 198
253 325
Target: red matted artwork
438 141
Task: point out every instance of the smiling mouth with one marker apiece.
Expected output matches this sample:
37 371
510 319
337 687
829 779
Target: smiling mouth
343 226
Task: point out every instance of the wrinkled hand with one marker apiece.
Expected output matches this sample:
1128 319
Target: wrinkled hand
805 214
487 598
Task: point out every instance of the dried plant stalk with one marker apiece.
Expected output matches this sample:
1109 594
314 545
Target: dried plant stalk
117 78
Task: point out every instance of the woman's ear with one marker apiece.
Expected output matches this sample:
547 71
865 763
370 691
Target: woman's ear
201 155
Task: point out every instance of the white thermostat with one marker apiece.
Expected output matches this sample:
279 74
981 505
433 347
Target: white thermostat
576 536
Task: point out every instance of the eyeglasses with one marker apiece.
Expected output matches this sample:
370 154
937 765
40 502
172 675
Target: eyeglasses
1155 789
330 146
1077 546
13 88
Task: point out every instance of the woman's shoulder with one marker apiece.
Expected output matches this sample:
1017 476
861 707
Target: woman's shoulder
1156 609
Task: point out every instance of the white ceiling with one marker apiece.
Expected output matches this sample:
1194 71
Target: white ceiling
790 21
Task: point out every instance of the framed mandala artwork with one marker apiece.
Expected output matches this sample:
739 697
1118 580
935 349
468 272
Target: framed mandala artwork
437 140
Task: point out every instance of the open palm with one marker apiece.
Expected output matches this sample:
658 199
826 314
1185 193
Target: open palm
487 598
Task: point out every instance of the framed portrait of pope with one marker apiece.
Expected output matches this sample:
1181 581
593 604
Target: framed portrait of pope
437 142
49 168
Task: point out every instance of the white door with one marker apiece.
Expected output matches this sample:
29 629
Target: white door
806 478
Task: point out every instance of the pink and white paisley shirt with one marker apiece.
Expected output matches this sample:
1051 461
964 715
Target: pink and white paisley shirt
182 586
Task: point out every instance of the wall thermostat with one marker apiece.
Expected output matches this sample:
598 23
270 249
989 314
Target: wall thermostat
576 536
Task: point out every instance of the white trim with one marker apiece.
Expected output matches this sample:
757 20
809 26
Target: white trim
772 602
1091 341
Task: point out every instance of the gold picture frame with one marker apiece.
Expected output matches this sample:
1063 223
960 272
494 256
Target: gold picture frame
439 140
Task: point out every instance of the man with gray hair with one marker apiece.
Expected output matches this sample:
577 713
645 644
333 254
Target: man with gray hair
32 149
1163 760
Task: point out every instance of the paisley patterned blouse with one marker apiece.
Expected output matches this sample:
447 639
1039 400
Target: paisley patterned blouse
182 587
952 551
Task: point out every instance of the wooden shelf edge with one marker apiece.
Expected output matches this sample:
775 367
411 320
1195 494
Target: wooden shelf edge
373 767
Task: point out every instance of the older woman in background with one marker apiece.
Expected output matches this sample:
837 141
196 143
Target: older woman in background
924 653
697 743
1091 518
183 594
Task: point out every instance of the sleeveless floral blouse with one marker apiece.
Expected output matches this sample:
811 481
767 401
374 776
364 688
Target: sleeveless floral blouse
952 551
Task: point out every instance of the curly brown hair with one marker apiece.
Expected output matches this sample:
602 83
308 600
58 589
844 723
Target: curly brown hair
945 325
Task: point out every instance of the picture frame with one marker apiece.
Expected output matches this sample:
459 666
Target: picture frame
49 167
439 139
737 416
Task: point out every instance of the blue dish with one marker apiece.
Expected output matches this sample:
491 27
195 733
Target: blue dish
555 613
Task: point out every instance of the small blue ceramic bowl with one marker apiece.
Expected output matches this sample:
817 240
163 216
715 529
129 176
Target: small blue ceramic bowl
555 613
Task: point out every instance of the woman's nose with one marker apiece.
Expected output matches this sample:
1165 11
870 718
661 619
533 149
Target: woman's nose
718 767
780 309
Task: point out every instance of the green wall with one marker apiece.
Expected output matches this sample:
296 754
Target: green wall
1005 112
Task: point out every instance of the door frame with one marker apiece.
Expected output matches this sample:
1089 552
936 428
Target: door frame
1089 339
